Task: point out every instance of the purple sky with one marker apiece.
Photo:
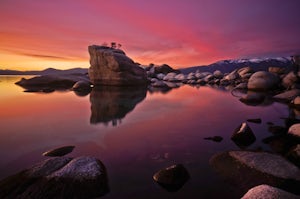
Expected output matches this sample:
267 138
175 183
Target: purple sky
40 34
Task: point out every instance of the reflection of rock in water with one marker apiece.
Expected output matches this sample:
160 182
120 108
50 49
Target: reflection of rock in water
110 103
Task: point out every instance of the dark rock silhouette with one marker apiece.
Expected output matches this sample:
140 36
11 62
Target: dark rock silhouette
172 178
51 82
61 151
111 104
112 67
243 135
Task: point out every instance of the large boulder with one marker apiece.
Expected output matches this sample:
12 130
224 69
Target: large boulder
59 177
263 80
111 66
268 192
246 169
289 80
45 82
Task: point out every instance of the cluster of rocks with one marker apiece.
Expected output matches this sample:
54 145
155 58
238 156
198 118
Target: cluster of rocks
263 174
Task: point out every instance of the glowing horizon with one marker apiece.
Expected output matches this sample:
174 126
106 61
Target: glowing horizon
35 35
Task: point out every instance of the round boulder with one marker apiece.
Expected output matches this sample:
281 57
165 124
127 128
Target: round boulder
263 80
172 178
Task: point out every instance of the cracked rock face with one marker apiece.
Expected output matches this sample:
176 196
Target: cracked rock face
59 177
112 67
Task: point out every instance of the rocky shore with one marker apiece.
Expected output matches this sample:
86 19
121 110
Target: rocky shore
257 172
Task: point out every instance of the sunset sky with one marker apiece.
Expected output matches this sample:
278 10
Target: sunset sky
37 34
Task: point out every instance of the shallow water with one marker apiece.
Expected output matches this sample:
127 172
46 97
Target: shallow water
133 132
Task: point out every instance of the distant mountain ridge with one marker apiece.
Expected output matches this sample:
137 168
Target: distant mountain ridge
48 71
256 64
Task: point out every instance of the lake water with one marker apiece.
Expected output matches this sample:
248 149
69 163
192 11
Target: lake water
133 132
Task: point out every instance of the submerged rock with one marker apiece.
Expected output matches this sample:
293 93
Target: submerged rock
255 120
172 178
61 151
243 135
268 192
60 177
112 67
214 138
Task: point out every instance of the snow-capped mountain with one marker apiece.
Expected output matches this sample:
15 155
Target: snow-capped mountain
255 63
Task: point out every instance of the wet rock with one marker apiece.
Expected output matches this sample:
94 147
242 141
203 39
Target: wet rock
246 169
268 192
289 80
243 135
294 130
60 177
61 151
255 120
287 96
111 66
172 178
262 80
82 86
294 155
214 138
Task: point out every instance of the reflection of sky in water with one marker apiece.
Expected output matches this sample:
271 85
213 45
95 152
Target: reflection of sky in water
158 131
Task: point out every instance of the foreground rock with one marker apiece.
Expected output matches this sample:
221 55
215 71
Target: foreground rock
172 178
243 135
111 66
58 152
49 82
246 169
60 177
268 192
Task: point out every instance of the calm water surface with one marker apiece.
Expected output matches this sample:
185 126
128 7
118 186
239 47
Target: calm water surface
133 132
